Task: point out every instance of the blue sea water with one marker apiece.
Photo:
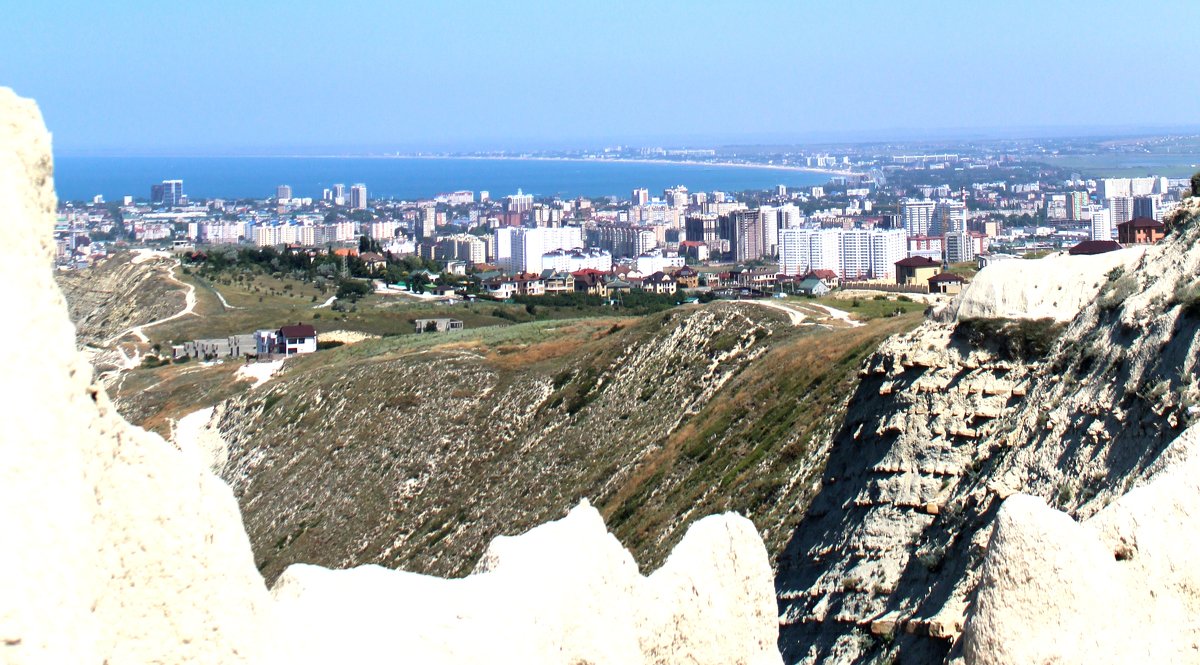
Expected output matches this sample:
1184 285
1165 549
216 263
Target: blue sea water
81 178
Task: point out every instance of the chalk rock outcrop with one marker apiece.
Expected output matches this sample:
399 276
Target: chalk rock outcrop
1120 587
1055 287
117 549
564 592
120 549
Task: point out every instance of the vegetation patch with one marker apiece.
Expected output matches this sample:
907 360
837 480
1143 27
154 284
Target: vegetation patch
1022 339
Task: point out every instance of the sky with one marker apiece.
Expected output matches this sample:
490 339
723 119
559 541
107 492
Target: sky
237 77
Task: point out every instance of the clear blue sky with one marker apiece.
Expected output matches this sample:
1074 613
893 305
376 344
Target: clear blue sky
234 76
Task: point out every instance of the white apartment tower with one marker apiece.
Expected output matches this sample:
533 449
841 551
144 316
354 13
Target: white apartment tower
917 216
1102 225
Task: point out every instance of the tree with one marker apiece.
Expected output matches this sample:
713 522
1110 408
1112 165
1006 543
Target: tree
1196 184
417 282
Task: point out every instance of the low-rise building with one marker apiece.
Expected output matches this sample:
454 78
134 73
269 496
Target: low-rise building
437 325
946 282
916 270
1140 231
659 282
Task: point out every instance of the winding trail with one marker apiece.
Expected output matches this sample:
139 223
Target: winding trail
189 306
796 317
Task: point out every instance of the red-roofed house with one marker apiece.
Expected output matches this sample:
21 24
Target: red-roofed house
916 270
1091 247
946 282
1140 231
300 338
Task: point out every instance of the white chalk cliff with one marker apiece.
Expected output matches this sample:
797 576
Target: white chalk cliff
1054 287
121 549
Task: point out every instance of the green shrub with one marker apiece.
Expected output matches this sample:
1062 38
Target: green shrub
1114 294
1024 339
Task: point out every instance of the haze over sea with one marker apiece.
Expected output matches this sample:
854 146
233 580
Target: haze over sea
81 178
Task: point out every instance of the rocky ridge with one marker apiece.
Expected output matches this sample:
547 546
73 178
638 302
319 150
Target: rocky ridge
958 415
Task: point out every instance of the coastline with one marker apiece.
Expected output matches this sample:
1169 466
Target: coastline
618 160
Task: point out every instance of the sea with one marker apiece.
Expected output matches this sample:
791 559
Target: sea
79 178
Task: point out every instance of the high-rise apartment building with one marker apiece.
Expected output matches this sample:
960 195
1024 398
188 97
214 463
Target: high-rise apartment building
339 195
850 253
283 193
358 196
1101 225
1148 206
948 217
169 193
746 237
521 249
917 216
1122 209
768 217
1075 203
427 223
640 197
519 202
789 216
960 246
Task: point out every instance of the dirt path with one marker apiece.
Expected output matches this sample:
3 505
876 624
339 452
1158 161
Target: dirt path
189 307
840 315
796 317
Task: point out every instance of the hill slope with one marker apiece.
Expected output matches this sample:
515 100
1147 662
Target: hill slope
415 451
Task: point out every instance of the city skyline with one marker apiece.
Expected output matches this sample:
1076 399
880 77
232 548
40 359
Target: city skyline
373 77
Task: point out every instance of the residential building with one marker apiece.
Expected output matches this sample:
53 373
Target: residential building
339 195
1140 231
1075 205
519 202
948 217
292 340
659 282
169 193
463 247
847 253
747 236
960 247
917 216
1148 206
1101 224
946 282
436 325
358 196
283 193
916 270
1121 208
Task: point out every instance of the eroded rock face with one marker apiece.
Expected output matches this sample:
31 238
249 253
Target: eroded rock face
1120 587
121 549
941 431
117 549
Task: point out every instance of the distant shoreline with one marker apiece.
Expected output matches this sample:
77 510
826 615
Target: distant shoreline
514 158
629 160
